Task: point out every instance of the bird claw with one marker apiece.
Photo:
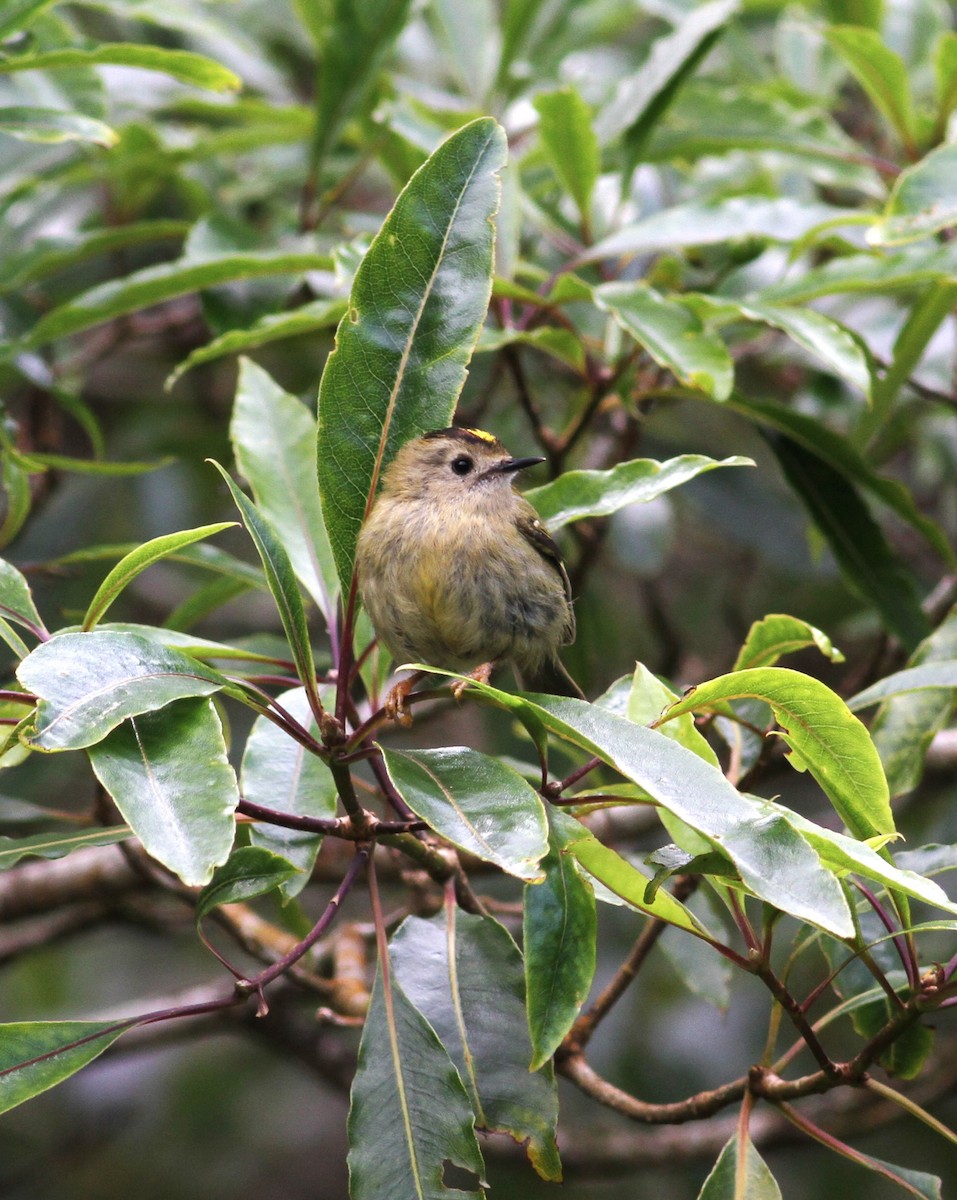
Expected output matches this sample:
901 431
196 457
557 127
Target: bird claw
394 706
481 674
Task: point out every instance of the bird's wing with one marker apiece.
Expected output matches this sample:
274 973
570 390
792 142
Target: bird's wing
532 529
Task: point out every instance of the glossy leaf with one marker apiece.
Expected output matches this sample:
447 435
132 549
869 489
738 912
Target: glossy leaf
194 69
37 1055
577 495
774 862
933 675
570 145
867 272
709 223
88 683
778 634
467 981
818 726
134 563
417 304
309 318
740 1174
57 843
279 773
905 724
282 583
249 872
866 559
922 201
559 938
155 285
409 1112
274 440
672 335
641 98
16 599
50 126
881 73
170 778
477 803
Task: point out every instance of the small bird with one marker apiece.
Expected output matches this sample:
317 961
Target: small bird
457 570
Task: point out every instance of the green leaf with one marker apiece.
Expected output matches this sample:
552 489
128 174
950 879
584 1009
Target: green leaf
630 883
774 862
569 142
881 72
18 14
559 937
16 599
819 727
841 351
740 1174
88 683
169 776
934 675
409 1112
418 301
945 70
279 773
641 98
134 563
673 336
56 844
922 201
249 871
282 584
577 495
274 440
862 552
354 40
37 1055
36 462
51 126
905 725
778 634
840 454
309 318
155 285
710 223
194 69
562 344
16 494
467 981
868 273
477 803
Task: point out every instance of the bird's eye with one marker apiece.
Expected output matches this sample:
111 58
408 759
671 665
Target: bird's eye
462 465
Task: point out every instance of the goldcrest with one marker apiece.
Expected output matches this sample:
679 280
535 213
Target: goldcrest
455 568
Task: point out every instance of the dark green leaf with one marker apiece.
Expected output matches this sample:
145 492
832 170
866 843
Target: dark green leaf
417 304
477 803
169 776
558 935
57 843
467 981
16 599
881 73
37 1055
88 683
249 871
53 125
864 555
409 1113
673 336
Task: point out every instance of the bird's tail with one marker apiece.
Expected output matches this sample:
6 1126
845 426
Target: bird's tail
552 678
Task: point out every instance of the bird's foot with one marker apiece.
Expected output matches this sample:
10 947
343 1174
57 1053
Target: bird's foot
480 674
395 706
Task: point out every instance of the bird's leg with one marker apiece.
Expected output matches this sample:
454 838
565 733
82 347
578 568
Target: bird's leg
481 674
394 706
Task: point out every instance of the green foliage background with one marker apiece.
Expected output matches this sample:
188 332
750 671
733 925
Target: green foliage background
724 233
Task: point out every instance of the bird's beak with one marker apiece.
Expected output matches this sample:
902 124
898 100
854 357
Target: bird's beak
508 465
